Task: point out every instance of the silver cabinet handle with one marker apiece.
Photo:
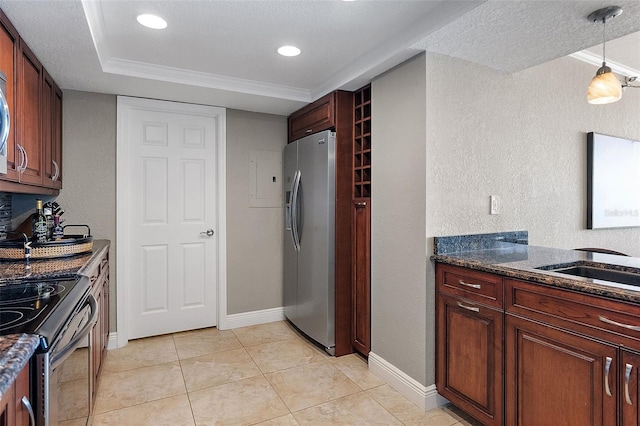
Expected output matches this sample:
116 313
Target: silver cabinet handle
26 159
627 376
27 405
56 174
619 324
468 308
477 286
607 367
361 204
209 232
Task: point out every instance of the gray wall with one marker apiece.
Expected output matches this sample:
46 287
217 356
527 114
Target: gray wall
254 258
398 260
520 136
254 235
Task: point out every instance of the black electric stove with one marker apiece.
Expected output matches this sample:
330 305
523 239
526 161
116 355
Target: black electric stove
38 307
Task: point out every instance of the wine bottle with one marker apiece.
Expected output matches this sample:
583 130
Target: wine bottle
38 224
57 233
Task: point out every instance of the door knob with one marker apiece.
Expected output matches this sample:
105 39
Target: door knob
209 232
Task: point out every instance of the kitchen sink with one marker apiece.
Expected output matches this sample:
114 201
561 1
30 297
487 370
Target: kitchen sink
599 273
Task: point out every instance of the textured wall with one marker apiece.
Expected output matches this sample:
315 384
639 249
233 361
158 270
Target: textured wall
254 235
398 260
520 136
89 167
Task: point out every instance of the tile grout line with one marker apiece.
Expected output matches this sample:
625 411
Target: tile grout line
175 348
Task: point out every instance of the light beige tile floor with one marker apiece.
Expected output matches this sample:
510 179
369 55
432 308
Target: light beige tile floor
260 375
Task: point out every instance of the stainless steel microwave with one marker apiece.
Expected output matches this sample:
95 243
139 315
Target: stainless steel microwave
4 123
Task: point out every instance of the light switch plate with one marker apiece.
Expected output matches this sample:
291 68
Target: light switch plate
495 204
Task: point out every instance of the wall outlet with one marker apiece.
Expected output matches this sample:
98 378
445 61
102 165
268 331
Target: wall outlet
495 204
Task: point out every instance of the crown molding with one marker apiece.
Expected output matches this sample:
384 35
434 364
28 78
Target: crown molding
595 59
114 65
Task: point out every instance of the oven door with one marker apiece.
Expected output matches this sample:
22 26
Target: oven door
68 387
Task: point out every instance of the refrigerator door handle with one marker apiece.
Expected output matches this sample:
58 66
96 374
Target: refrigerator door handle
294 210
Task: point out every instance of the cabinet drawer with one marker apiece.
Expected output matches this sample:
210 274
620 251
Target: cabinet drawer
481 287
612 321
313 118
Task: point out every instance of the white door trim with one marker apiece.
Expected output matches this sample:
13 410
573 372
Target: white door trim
122 220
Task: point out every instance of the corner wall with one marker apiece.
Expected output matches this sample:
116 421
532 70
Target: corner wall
398 260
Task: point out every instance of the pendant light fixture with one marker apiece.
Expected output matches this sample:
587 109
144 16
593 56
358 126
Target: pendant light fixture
605 88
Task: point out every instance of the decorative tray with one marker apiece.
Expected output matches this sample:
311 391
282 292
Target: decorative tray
70 245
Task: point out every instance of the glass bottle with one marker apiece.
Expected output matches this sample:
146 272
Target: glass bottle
39 224
57 233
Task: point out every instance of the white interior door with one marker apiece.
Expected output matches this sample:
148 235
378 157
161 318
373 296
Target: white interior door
171 209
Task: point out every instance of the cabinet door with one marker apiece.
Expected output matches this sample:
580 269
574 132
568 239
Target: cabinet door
312 118
22 391
558 378
361 326
9 47
630 377
469 359
7 409
29 113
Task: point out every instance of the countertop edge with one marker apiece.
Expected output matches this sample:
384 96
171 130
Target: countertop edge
582 285
96 256
13 358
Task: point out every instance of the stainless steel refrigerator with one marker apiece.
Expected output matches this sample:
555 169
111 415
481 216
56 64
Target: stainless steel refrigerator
309 246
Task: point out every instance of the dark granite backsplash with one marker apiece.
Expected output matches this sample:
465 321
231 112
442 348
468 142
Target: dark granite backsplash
462 243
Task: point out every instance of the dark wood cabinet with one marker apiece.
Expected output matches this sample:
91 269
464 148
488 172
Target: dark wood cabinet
469 342
34 147
100 335
9 47
313 118
13 409
51 133
629 377
361 268
29 116
557 377
361 226
569 357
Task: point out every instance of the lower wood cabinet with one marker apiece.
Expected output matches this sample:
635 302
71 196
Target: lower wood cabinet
554 377
469 357
517 353
100 334
13 410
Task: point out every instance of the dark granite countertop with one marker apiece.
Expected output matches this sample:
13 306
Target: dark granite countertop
50 269
521 261
15 352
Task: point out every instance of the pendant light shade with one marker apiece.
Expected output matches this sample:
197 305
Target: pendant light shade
605 88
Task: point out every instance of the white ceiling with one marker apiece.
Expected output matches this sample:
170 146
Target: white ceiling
223 52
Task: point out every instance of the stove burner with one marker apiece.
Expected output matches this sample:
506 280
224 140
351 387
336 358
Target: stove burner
14 317
25 293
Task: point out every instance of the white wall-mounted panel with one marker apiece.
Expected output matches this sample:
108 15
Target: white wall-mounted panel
155 279
154 193
265 178
194 274
154 133
193 190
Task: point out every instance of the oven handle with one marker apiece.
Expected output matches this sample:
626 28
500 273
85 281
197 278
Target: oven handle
59 358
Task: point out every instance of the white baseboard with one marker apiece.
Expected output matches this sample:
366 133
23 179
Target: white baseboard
245 319
113 340
425 397
231 321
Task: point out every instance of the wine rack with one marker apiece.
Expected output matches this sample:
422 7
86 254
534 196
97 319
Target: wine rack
362 143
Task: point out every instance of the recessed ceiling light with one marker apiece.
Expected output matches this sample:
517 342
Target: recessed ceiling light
152 21
289 51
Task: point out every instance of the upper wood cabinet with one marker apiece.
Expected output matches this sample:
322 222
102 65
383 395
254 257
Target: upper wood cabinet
315 117
34 148
51 133
9 47
29 113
